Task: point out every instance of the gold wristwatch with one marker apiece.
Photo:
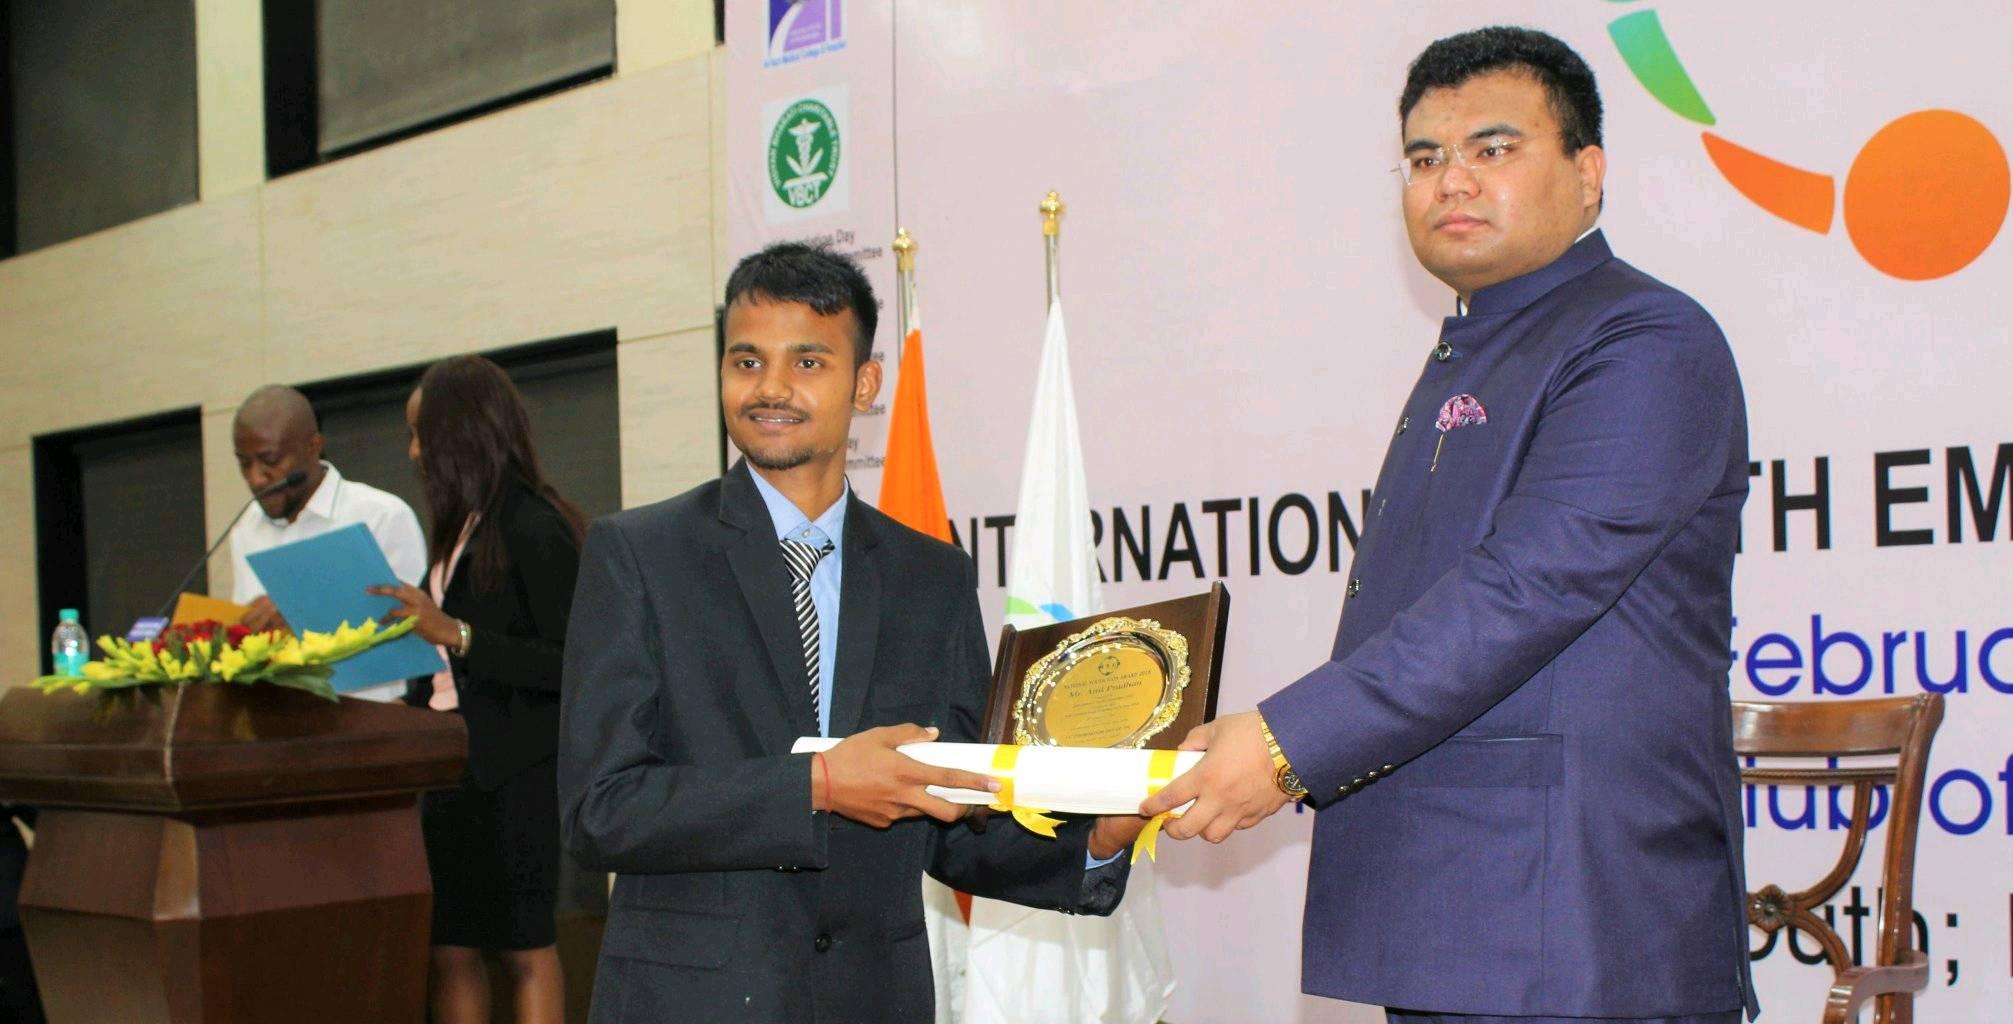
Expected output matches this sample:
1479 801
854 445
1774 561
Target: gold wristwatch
1283 775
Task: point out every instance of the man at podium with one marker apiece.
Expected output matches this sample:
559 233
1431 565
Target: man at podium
275 434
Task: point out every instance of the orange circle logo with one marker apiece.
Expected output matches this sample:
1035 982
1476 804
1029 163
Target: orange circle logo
1927 194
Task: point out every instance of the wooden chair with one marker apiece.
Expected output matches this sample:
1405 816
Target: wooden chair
1897 731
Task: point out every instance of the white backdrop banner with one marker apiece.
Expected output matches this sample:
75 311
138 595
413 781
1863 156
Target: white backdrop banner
1829 179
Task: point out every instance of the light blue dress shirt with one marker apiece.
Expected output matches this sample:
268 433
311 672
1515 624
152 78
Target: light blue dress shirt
792 524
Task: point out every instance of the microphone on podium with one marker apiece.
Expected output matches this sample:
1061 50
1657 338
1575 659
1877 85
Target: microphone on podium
291 481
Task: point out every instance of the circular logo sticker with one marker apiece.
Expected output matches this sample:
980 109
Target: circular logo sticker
803 153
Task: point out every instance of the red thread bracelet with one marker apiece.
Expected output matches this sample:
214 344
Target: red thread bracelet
826 771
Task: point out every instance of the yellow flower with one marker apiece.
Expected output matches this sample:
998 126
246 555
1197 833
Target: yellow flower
132 661
146 664
317 646
256 646
347 640
102 671
229 664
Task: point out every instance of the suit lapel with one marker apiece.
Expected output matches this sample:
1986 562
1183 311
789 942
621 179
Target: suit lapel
859 620
757 561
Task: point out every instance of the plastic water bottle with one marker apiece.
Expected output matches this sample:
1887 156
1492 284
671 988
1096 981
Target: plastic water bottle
70 644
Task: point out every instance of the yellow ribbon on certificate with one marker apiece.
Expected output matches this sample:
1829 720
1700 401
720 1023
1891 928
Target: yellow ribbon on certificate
1159 772
1005 757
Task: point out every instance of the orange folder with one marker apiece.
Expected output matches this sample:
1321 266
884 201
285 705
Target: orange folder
197 607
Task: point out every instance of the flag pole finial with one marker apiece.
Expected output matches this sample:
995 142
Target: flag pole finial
905 288
905 251
1051 236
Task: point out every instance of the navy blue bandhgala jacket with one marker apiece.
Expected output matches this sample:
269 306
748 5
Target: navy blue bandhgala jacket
1521 747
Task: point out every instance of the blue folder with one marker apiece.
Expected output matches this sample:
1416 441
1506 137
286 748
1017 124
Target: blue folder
319 584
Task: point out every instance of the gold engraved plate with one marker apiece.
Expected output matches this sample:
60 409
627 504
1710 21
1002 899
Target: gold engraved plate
1116 684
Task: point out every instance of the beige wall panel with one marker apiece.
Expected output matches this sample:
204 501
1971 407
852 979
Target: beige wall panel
585 209
670 408
159 314
721 263
230 96
20 616
652 33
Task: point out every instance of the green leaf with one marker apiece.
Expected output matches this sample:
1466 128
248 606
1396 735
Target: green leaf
311 678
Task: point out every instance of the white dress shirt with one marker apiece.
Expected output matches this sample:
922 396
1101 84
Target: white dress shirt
335 504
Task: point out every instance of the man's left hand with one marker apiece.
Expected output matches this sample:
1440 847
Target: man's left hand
1113 834
1232 785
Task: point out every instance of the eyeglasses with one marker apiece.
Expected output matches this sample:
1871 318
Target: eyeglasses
1426 166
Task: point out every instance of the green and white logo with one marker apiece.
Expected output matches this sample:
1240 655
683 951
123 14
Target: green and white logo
803 153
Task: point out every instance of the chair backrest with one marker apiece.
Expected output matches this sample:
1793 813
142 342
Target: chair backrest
1888 740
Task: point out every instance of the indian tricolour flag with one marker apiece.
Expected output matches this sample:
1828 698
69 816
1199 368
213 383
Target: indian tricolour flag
1029 965
913 495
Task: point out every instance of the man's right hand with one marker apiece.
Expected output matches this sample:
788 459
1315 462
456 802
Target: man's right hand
263 616
868 780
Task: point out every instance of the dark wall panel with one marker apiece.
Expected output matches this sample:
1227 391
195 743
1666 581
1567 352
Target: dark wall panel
391 65
143 515
119 518
103 114
569 386
7 117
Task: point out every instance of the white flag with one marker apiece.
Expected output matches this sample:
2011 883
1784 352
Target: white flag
1035 965
1053 575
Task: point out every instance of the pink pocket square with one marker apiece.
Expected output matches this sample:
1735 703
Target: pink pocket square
1461 411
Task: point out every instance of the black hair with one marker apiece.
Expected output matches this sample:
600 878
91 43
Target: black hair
1568 81
474 445
827 281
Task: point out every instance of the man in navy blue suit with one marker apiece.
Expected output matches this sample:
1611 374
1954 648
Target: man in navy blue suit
1520 746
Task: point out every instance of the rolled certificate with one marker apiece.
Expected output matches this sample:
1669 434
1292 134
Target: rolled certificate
1071 780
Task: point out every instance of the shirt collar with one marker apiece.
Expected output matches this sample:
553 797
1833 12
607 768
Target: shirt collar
790 521
323 501
1516 293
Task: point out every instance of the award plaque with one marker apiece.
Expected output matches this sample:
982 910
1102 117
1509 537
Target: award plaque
1137 677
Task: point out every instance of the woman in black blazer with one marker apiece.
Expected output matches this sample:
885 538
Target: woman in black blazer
504 548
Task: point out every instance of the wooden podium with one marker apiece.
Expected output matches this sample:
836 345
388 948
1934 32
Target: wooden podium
226 853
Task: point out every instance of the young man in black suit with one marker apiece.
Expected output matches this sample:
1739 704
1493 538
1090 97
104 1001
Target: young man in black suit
710 631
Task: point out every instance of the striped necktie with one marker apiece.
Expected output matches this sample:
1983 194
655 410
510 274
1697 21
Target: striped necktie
802 559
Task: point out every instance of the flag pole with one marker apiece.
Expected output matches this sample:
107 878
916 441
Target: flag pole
905 287
1051 232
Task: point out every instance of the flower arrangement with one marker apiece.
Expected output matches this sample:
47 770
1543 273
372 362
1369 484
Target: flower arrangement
211 652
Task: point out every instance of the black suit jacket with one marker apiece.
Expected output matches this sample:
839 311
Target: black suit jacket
684 691
509 683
